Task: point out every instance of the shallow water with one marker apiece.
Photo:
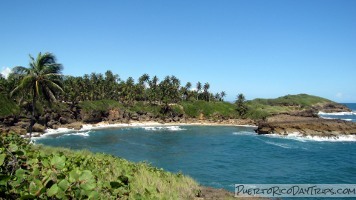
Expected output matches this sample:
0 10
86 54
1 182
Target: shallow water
222 156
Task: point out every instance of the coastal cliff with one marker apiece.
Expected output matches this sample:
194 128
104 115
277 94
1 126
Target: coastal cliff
308 122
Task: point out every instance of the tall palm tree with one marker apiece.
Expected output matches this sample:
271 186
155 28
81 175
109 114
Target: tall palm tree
206 91
222 95
41 79
198 89
143 82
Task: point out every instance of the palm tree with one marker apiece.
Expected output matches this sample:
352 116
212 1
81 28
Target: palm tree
142 83
41 79
153 89
206 91
198 89
222 95
186 90
241 106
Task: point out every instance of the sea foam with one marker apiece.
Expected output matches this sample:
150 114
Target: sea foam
163 128
302 138
337 113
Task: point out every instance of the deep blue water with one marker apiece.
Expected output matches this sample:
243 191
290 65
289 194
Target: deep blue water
348 116
222 156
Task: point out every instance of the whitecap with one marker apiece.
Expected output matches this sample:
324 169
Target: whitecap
57 131
340 138
302 138
337 113
53 132
161 128
83 134
243 133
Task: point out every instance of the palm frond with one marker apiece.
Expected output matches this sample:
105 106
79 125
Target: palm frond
19 70
52 68
53 85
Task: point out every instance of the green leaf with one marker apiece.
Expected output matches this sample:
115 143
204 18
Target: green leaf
58 162
35 171
2 158
13 147
115 184
35 187
4 179
74 175
64 184
45 163
53 190
93 195
20 173
61 194
20 153
86 175
88 185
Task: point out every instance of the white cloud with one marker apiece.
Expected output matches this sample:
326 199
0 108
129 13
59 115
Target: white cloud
5 71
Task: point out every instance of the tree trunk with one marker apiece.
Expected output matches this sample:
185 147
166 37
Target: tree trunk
33 114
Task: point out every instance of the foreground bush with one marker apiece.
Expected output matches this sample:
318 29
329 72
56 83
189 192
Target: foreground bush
39 172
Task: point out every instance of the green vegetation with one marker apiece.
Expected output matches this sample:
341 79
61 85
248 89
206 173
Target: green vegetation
99 105
39 172
8 107
261 108
208 109
41 80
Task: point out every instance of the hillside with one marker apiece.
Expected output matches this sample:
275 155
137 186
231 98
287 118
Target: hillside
262 108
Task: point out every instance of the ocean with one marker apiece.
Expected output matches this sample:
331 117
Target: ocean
223 156
347 116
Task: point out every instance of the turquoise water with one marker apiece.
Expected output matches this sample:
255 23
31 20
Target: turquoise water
222 156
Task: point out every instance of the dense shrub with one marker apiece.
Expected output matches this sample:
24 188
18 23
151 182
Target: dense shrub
37 172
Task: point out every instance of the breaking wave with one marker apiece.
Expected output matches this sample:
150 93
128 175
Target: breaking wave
337 113
163 128
302 138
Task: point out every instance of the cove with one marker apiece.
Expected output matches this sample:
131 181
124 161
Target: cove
220 156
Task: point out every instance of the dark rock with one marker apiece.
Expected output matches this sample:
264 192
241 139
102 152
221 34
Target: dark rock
9 121
141 112
176 119
63 120
306 113
332 107
38 128
92 116
114 115
134 116
52 123
75 125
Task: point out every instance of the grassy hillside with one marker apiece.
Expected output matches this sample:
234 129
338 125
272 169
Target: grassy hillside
260 108
39 172
209 109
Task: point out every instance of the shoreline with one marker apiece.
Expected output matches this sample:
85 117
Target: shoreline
107 125
86 128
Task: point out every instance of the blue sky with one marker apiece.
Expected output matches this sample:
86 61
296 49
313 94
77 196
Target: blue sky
256 47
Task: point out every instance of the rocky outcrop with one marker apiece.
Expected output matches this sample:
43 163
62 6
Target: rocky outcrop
331 107
286 124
